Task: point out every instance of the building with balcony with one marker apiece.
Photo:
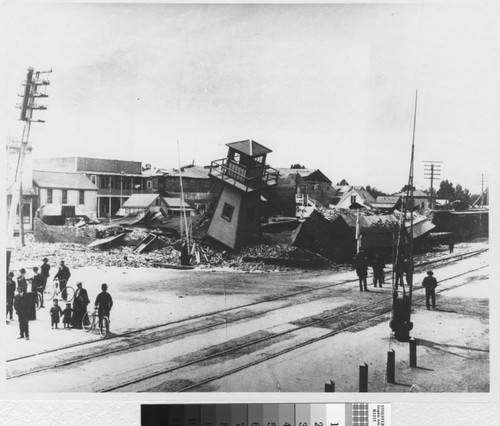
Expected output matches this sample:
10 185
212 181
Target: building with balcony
116 180
244 174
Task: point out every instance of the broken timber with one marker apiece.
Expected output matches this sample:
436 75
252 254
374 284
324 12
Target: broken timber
107 240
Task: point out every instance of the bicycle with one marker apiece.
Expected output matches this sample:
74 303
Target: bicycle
38 300
91 320
52 290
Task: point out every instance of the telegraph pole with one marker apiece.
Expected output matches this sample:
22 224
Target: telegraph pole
432 170
32 90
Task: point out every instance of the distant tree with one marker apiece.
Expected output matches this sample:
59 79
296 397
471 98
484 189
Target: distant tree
463 194
343 182
405 188
374 191
297 166
446 191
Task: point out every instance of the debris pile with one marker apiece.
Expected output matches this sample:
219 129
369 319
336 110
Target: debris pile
255 258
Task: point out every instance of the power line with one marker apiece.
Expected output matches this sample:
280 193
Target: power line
432 170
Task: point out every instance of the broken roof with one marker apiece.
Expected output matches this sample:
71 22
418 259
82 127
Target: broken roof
418 193
62 180
140 200
176 203
249 147
191 171
362 192
308 174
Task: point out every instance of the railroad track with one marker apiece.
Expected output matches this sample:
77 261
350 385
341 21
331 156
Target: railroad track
382 310
225 321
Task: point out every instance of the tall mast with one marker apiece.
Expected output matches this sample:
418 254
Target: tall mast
183 210
401 307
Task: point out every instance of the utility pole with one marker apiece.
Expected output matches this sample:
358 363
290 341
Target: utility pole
484 191
32 87
432 170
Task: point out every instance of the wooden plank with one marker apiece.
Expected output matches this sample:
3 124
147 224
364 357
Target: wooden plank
102 241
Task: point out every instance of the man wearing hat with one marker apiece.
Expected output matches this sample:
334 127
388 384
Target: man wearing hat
80 303
44 269
430 284
103 303
22 306
21 279
38 284
62 275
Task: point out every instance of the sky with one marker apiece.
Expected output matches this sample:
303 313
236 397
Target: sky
328 86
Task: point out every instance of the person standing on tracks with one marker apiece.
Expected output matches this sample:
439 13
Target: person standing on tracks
11 291
80 303
62 275
430 284
103 304
22 305
378 271
451 244
361 267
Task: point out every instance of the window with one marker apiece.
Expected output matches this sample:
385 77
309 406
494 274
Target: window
81 196
353 199
227 211
149 185
64 196
158 202
49 196
93 179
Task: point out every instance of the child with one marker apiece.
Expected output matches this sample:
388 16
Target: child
55 313
67 315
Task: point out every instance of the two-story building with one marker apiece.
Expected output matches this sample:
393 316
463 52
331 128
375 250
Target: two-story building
297 186
116 180
62 188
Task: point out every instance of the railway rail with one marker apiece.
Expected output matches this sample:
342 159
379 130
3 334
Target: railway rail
126 347
312 323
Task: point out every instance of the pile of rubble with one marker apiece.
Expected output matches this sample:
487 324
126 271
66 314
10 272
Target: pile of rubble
77 256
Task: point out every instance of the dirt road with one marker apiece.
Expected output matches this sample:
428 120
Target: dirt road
274 332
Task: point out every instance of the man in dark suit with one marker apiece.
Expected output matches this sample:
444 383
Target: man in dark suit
80 303
44 269
430 284
38 283
62 275
103 304
22 306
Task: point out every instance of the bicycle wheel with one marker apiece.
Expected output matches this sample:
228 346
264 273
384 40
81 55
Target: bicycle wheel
104 328
38 301
87 322
68 294
50 292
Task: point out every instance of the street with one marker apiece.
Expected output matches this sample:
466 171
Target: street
234 332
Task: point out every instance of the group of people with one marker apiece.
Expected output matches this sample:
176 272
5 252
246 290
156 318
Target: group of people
361 265
401 269
19 299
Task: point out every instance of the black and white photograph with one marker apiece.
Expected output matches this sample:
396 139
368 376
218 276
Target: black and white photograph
262 198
